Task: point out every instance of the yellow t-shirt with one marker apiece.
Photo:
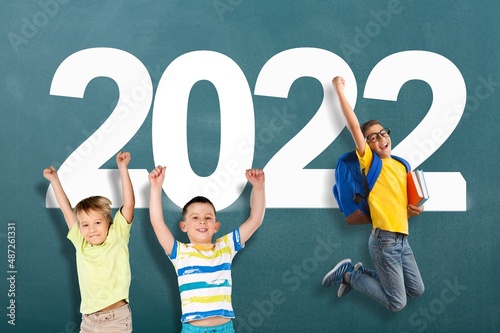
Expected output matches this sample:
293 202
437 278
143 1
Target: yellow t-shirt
388 199
103 270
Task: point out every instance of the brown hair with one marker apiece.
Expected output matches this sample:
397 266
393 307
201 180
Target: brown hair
369 124
198 199
95 203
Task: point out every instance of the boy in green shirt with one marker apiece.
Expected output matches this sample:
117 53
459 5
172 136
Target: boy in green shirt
102 254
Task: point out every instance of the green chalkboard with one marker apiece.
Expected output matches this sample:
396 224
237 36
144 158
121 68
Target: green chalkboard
210 88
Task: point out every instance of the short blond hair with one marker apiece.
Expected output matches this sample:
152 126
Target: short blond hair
96 203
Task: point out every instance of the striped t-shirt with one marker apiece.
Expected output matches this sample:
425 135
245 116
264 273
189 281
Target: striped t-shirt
204 277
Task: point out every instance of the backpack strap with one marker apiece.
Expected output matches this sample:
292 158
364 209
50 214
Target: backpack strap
370 178
403 161
358 198
373 173
375 168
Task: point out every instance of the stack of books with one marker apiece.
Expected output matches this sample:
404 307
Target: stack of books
417 188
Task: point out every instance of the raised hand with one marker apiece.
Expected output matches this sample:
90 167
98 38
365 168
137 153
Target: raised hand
256 177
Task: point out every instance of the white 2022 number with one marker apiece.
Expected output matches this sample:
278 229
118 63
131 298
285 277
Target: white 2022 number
288 184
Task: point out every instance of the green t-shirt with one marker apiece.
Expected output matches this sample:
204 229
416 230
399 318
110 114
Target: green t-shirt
103 270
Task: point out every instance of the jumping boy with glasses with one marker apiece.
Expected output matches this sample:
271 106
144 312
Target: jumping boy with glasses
396 273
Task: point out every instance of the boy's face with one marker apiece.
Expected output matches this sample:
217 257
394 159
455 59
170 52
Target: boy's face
200 223
381 144
94 226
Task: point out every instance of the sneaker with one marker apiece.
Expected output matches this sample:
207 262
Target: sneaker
345 288
359 267
335 275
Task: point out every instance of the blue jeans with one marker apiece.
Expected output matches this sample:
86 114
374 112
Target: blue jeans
396 274
224 328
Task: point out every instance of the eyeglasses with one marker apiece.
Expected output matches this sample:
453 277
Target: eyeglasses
374 137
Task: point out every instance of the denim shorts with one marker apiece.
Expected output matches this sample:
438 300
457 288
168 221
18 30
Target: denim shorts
224 328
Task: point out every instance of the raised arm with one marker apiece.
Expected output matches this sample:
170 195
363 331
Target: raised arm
50 174
349 115
163 233
258 204
122 161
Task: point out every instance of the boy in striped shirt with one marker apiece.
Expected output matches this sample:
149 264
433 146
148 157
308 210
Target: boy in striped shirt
203 267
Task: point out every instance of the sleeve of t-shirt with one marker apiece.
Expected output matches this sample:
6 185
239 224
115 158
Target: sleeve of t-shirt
366 160
173 254
237 240
121 226
75 236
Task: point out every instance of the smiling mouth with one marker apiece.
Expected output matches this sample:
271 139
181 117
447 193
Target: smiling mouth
202 229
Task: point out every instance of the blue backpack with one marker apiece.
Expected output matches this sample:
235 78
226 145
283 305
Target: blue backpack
352 186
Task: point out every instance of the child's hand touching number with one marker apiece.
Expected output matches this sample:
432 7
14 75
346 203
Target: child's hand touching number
255 177
157 175
338 83
123 159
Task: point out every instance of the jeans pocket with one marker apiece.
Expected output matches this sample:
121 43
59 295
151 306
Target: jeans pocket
387 241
